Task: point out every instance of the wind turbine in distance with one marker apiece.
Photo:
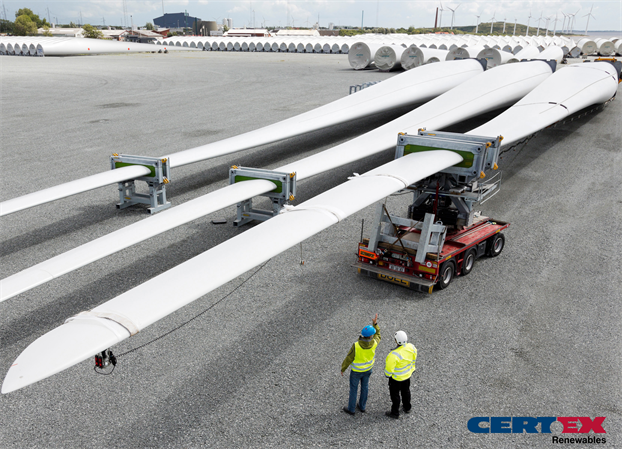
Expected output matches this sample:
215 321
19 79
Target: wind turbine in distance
588 15
548 19
564 22
528 20
477 24
573 19
539 20
515 20
440 19
492 21
555 25
453 13
505 20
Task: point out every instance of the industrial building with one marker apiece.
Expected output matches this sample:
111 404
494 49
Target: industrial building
207 28
176 20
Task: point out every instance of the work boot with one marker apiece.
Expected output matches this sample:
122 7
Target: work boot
407 411
345 409
359 406
391 415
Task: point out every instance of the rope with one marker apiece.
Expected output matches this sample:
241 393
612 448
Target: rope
196 316
103 373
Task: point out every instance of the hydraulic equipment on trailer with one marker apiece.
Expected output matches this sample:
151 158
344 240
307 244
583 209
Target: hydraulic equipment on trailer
442 235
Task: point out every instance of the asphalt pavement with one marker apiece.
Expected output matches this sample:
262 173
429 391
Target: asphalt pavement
533 332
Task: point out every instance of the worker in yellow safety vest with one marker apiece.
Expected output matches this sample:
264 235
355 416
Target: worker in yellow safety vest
399 366
361 360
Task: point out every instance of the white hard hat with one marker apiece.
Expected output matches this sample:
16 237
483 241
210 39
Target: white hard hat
401 338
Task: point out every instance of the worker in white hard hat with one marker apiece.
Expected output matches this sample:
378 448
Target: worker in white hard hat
360 359
399 366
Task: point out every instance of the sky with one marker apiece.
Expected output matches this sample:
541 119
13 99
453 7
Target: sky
606 14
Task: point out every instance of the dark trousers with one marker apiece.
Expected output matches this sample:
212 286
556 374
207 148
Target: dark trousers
397 388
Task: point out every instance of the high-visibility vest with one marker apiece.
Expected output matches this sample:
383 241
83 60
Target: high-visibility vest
363 358
400 363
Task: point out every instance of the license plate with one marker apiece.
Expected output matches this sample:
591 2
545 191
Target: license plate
394 280
397 268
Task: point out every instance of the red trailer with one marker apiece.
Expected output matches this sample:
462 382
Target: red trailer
396 263
442 236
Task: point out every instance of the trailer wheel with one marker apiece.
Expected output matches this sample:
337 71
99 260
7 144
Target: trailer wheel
447 273
469 262
495 245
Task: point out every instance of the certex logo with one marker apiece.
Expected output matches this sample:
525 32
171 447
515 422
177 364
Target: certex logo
527 424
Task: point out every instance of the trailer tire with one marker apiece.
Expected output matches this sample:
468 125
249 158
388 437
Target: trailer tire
468 262
446 274
496 245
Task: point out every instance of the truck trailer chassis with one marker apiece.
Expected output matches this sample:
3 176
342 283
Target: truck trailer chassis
442 235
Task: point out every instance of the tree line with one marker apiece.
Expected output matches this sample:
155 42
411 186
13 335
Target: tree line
27 23
482 29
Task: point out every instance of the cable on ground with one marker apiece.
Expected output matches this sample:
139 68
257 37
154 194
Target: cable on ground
196 316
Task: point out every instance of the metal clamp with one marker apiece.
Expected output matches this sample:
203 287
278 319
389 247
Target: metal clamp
156 180
464 184
431 238
284 192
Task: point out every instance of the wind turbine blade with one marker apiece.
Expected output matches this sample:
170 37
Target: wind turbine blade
85 335
489 91
136 309
72 188
566 92
394 92
117 319
420 85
